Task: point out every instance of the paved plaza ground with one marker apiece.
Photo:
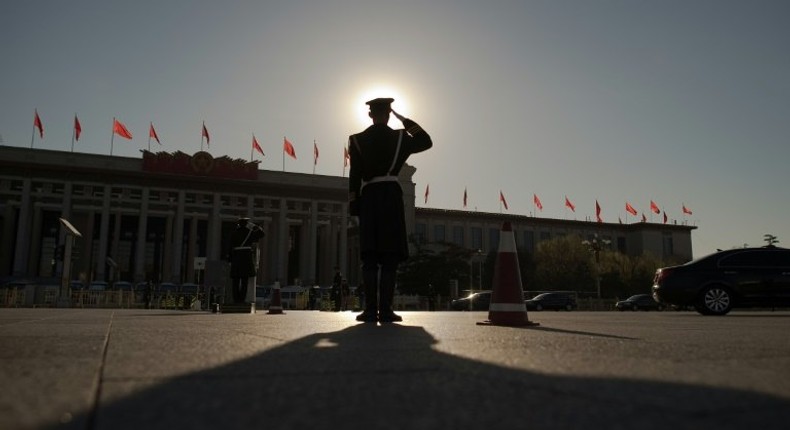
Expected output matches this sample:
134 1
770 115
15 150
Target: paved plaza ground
115 369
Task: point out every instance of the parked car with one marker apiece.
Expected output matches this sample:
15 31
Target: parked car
639 302
556 301
735 278
480 301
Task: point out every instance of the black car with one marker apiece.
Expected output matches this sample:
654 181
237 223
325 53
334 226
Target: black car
555 301
479 302
639 302
735 278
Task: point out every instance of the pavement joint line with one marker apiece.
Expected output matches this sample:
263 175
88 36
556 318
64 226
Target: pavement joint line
99 379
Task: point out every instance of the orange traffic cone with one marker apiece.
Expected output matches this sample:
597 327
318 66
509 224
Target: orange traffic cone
276 306
507 299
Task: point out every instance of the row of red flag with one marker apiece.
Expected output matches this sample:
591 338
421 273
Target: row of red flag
568 204
288 148
120 129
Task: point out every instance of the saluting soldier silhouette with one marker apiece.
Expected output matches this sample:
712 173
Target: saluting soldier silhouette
375 196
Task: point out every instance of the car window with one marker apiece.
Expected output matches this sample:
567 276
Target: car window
757 258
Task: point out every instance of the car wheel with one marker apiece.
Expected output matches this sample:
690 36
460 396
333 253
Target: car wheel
714 300
538 307
568 308
634 308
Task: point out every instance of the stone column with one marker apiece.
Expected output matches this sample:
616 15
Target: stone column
22 251
281 256
214 249
178 236
142 237
167 250
34 260
104 233
192 249
115 246
312 245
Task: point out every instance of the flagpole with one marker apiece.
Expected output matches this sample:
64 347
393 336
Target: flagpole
251 147
73 131
33 135
150 126
283 153
201 135
315 160
112 136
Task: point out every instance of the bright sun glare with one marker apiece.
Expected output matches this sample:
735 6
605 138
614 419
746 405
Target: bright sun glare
400 104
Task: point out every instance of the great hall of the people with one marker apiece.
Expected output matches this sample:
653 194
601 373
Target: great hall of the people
167 217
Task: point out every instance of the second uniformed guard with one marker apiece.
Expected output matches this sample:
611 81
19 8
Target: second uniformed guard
242 256
377 155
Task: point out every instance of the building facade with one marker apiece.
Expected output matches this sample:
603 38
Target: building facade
480 231
168 217
170 221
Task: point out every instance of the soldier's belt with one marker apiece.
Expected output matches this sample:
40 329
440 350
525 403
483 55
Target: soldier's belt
373 180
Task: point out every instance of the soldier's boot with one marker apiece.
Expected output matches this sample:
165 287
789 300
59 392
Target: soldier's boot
386 315
370 278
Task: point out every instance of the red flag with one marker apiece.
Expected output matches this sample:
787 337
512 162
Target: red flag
665 217
77 128
288 147
346 157
257 147
152 134
120 129
569 205
37 123
537 202
686 210
654 207
630 209
315 153
426 193
205 134
598 211
502 199
464 197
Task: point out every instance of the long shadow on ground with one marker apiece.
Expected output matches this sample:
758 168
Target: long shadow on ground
390 377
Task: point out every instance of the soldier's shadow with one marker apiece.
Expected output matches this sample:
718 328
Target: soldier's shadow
390 377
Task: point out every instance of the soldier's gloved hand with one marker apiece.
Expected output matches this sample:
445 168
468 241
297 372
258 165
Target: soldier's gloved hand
411 127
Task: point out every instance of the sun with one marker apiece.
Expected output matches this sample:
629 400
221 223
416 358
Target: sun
400 104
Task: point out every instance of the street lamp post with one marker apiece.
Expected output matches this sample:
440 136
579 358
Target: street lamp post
596 245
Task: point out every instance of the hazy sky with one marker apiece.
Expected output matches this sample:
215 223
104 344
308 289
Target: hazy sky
679 102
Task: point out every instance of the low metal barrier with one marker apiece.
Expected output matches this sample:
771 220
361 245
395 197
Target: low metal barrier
47 296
